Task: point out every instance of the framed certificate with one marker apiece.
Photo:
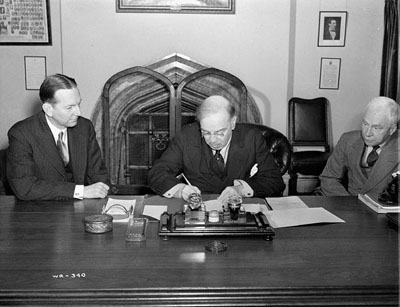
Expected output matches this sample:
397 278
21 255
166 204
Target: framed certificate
329 73
35 72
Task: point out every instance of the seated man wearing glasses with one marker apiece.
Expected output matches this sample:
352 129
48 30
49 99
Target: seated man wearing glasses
217 156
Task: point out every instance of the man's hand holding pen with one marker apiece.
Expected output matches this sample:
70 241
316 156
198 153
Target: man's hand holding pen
188 190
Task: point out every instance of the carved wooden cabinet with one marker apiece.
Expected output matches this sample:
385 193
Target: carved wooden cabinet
142 108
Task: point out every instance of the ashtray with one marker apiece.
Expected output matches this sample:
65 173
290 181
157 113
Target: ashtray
99 223
216 246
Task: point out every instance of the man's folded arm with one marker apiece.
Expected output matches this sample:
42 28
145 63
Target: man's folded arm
21 174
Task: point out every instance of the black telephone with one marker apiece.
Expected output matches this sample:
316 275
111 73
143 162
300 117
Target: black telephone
390 195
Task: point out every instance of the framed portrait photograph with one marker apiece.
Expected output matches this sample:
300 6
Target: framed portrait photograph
176 6
329 73
25 22
332 29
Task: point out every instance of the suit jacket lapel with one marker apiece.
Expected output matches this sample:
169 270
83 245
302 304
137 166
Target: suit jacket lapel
48 146
76 152
236 154
355 155
387 159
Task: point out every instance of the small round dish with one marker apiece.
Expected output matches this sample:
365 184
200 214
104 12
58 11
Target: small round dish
216 246
99 223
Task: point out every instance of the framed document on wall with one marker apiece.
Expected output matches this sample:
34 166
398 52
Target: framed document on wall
332 29
35 71
329 73
25 22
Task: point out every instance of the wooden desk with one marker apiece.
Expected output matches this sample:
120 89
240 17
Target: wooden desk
47 258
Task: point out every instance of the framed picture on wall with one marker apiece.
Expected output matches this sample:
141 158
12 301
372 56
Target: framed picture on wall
332 29
35 71
176 6
25 22
329 73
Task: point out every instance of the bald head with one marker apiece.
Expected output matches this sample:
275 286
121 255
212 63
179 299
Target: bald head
380 120
217 119
385 106
215 104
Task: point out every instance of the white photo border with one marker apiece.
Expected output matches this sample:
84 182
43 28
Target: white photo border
341 20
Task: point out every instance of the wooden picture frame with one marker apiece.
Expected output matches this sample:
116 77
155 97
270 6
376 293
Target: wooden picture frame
332 29
25 23
329 77
179 6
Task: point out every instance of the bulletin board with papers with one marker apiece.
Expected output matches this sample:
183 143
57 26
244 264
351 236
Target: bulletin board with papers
25 22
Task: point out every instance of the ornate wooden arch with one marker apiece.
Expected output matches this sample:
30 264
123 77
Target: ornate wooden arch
174 86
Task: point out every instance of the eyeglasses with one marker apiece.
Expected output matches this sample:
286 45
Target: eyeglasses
218 134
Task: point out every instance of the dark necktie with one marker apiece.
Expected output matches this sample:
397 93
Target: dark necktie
219 161
372 157
62 148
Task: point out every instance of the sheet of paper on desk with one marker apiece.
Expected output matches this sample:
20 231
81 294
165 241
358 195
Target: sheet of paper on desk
213 204
285 203
154 211
302 216
116 211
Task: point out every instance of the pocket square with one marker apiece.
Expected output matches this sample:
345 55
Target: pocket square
254 170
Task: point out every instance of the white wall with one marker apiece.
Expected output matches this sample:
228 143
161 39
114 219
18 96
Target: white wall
252 44
360 58
91 42
16 102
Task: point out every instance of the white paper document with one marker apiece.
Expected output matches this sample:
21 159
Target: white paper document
213 204
302 216
115 207
154 211
285 203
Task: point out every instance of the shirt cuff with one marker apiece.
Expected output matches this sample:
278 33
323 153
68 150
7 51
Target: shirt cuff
247 190
78 192
175 191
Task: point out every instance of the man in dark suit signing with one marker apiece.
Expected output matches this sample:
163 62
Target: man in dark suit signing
54 154
217 156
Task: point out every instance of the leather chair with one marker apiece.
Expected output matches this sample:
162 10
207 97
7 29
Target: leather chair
309 138
278 145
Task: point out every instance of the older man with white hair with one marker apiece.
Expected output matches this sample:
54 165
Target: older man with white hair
368 156
218 156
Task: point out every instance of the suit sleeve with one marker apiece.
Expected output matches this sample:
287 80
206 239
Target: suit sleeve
334 171
96 171
22 172
162 176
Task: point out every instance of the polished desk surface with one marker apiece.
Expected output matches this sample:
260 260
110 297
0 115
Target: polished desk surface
46 257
